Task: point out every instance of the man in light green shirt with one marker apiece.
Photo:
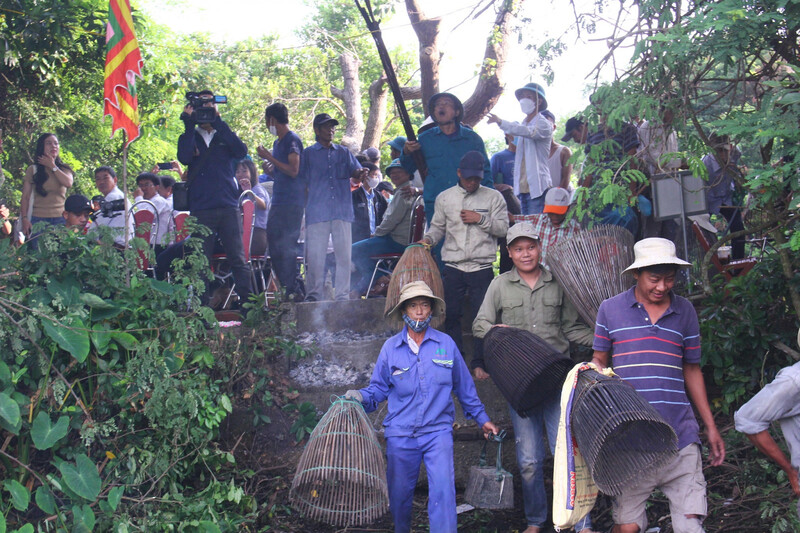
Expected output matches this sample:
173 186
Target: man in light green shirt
529 297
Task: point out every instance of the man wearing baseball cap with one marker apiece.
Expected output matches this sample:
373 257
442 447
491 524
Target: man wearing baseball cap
77 209
552 225
529 297
531 170
469 218
651 337
327 168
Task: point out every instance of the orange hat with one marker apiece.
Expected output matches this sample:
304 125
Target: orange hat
556 201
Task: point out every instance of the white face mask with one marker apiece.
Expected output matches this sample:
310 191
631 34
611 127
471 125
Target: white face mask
527 105
273 130
373 182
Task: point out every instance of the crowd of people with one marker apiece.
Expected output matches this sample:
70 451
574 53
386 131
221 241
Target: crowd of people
325 208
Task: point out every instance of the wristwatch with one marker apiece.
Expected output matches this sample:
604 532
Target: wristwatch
54 169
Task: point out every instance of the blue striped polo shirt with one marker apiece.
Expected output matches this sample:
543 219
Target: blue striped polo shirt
651 356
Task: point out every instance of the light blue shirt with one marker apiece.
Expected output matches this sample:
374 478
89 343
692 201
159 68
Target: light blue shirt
419 387
371 210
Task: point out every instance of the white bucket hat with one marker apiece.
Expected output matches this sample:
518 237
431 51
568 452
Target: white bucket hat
655 251
413 290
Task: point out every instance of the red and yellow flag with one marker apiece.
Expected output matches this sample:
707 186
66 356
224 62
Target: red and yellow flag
123 64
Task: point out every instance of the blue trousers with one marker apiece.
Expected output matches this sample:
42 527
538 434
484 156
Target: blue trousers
360 256
404 455
532 450
531 206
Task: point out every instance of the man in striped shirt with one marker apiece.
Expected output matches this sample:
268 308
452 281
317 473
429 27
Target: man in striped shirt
651 337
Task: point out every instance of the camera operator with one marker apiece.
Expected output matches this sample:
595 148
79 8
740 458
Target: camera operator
211 149
113 206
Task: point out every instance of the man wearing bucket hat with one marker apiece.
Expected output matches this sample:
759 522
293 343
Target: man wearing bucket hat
552 225
534 134
417 371
469 218
654 338
443 147
530 298
779 401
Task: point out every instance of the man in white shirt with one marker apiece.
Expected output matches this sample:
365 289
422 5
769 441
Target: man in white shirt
114 206
148 184
534 134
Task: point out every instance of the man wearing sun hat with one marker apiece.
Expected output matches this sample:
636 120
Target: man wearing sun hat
530 298
779 401
534 134
653 336
552 225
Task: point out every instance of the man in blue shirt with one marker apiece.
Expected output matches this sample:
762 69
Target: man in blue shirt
211 150
288 198
502 163
443 147
327 168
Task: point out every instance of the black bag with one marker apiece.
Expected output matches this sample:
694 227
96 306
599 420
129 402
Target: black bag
180 196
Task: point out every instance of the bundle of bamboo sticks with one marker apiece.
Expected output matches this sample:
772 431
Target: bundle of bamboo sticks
589 267
341 475
416 264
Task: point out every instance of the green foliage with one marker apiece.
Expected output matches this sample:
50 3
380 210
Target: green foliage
306 421
97 398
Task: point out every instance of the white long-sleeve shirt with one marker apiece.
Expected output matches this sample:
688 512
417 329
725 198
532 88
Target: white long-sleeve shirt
533 151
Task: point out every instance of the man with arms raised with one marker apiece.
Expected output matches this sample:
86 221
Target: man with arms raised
651 337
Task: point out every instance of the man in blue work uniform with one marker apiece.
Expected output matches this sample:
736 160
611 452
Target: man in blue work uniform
417 371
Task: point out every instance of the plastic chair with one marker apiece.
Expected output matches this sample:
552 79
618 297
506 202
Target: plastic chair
385 263
741 266
178 222
145 223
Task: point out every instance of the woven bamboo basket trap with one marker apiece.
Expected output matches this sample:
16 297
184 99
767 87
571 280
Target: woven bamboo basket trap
620 435
588 266
341 475
416 264
526 369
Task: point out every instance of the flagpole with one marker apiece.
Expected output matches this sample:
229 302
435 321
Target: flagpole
125 199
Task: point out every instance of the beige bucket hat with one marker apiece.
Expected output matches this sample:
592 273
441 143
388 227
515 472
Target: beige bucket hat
413 290
655 251
521 229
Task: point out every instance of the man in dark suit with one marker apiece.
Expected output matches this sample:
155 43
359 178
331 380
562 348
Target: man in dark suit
368 205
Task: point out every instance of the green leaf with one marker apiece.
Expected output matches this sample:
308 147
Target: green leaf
115 496
173 362
5 374
101 337
20 497
82 478
45 434
225 402
9 412
45 500
162 286
84 519
95 302
73 338
2 523
68 290
103 314
125 339
208 527
27 528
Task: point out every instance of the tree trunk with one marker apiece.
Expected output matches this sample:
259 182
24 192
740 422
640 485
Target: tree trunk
350 94
490 81
427 31
378 93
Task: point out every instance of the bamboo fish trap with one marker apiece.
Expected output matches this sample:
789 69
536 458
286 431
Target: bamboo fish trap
588 267
526 369
620 435
416 264
341 475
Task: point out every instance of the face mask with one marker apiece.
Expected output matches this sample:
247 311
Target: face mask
273 130
527 105
373 182
417 326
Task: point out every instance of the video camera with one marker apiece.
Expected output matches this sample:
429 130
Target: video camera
109 209
202 114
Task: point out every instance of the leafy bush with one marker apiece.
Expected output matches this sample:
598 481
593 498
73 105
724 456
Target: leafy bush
107 406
